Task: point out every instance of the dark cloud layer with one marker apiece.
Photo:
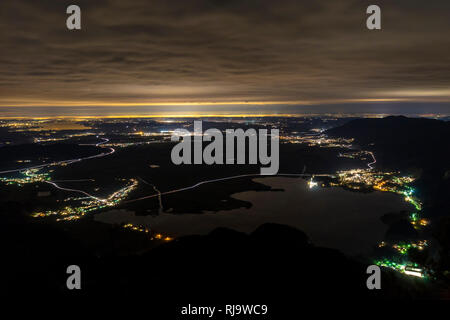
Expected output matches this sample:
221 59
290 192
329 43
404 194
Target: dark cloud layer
144 51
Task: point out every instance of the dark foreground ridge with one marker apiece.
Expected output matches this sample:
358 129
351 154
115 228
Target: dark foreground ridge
274 263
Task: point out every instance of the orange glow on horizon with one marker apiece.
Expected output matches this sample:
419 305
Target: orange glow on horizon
40 103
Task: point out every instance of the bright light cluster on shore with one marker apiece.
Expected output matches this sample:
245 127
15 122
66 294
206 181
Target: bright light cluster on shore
412 269
370 179
144 229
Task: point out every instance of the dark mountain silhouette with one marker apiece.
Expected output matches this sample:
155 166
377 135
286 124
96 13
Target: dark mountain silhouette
401 141
394 130
275 264
412 145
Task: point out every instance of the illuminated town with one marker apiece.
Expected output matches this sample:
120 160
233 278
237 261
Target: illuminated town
90 204
318 139
28 176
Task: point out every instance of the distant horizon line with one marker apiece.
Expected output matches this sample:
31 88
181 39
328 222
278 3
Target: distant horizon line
65 104
336 115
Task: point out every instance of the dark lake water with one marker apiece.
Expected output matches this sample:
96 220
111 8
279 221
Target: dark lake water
331 217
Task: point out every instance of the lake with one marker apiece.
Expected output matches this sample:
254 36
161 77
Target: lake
331 217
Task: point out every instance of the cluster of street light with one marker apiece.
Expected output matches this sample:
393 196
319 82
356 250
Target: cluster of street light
87 206
141 228
404 247
319 140
411 269
27 176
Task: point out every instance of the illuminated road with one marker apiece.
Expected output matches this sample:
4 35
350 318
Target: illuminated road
53 183
75 190
374 160
159 194
111 151
156 190
77 180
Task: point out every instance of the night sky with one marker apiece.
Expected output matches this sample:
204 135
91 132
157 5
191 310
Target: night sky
235 51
